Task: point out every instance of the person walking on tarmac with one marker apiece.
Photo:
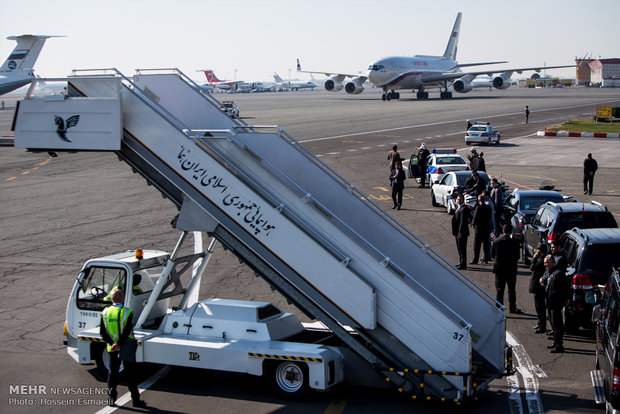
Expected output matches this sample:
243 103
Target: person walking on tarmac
527 114
397 179
423 155
506 256
460 230
392 157
116 327
468 125
589 168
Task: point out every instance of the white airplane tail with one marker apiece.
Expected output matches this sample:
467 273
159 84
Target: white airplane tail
277 78
451 48
25 54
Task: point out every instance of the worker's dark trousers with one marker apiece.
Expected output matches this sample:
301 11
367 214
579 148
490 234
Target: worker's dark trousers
130 371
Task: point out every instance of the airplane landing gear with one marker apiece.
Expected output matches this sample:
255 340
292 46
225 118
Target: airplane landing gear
445 95
388 96
422 95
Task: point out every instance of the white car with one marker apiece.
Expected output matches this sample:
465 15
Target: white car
230 106
444 192
440 162
482 133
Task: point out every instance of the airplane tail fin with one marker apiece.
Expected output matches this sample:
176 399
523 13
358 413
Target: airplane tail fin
298 65
211 78
277 78
25 54
452 47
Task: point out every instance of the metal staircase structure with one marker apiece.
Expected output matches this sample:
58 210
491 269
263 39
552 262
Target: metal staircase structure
313 236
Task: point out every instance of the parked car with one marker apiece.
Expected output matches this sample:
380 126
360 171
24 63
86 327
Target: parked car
591 255
482 133
444 192
440 162
553 219
606 377
521 205
231 106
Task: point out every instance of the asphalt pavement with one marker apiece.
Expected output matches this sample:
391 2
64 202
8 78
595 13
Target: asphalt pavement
57 212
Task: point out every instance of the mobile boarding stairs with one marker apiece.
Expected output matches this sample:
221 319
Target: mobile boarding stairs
421 324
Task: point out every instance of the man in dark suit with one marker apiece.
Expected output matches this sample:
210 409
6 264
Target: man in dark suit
506 257
397 178
557 286
482 229
460 230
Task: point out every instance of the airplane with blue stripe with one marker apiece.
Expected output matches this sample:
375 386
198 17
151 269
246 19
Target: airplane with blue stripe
422 72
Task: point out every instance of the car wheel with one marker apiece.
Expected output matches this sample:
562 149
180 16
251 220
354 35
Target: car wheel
571 325
449 207
289 379
524 257
433 199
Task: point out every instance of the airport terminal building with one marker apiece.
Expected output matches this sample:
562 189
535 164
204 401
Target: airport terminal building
600 72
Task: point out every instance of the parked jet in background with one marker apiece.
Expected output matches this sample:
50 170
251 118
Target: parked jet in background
295 86
422 72
213 81
17 69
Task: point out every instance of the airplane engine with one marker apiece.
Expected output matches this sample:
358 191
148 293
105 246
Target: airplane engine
354 87
333 85
501 82
462 86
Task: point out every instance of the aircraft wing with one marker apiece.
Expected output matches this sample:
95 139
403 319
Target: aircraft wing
462 65
435 77
340 76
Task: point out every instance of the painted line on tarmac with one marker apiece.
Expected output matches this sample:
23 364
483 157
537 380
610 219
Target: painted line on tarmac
335 407
530 374
451 122
143 386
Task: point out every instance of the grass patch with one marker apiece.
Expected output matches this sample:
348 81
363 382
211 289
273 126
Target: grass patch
587 125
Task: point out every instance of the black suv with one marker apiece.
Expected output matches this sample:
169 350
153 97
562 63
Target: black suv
521 205
606 377
553 219
591 255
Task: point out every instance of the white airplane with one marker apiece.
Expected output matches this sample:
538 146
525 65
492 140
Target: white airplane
293 85
216 83
422 72
17 69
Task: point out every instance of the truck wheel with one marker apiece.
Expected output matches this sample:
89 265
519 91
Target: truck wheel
103 362
289 379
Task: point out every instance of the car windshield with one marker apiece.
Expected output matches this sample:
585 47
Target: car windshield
598 259
532 203
461 179
478 128
584 220
450 160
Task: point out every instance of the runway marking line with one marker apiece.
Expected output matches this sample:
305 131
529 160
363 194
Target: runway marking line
143 386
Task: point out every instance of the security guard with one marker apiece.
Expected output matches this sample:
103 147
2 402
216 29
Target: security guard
115 327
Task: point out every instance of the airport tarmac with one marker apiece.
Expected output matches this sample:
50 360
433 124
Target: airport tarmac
59 212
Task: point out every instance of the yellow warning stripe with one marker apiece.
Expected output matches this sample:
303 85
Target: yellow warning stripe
287 357
89 338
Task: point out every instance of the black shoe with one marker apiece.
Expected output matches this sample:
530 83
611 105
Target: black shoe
590 193
516 310
421 186
485 261
557 349
394 206
585 192
461 267
139 403
549 333
112 397
539 331
473 262
398 208
551 346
